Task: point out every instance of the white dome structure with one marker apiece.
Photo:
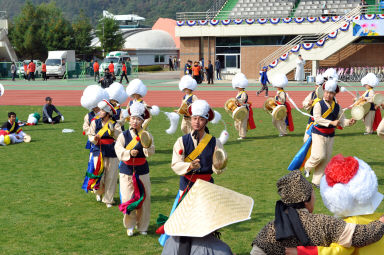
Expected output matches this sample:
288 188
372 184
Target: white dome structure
150 40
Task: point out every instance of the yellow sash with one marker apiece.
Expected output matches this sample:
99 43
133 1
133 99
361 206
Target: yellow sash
105 129
13 127
186 99
133 142
329 111
325 114
199 149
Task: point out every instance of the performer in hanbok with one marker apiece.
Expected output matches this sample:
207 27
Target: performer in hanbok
299 74
133 147
187 85
327 115
196 155
373 117
312 98
240 83
295 223
102 133
280 81
349 189
12 129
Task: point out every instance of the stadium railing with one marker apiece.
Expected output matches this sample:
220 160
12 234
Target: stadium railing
214 14
333 26
355 73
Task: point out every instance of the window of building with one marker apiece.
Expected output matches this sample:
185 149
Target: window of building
159 59
266 40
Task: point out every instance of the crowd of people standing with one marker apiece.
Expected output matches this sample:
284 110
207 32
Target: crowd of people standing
201 72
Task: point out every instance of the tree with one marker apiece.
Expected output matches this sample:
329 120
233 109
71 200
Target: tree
109 35
25 33
56 31
39 29
82 31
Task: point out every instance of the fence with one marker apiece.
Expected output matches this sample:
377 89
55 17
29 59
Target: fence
70 70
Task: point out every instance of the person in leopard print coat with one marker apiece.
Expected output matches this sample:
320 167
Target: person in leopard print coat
296 225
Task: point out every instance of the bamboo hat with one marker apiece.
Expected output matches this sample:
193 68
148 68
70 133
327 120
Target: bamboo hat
206 208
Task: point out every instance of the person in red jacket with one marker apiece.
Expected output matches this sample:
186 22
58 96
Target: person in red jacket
111 68
44 71
96 70
25 71
124 73
32 69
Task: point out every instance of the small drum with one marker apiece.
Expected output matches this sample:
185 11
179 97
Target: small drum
319 92
146 139
278 112
219 159
183 110
27 138
378 99
360 109
237 112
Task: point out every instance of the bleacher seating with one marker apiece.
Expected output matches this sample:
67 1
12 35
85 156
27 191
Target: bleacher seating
286 8
333 7
262 9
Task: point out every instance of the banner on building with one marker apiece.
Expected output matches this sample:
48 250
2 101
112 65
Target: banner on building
368 28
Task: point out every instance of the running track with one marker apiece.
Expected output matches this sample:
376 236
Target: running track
160 98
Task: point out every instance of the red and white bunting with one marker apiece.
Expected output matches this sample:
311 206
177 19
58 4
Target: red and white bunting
180 23
307 46
226 22
274 20
274 63
311 19
285 56
296 48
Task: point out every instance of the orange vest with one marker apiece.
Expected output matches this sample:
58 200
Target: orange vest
111 68
96 67
124 68
31 67
44 68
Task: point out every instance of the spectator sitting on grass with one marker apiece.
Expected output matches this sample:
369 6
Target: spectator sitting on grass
48 109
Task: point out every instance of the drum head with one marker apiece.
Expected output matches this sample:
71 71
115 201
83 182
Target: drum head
27 138
219 159
268 104
240 113
320 92
229 104
378 99
279 112
146 139
357 112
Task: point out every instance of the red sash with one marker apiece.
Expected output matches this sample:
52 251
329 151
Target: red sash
194 177
106 141
327 131
135 161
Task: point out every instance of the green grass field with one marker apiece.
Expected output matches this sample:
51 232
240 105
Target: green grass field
44 210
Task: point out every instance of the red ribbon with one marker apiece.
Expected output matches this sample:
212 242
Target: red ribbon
251 121
377 119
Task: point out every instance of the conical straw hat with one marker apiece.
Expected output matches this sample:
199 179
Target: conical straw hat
206 208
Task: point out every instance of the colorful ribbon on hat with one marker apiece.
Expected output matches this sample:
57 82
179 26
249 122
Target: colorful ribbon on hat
251 121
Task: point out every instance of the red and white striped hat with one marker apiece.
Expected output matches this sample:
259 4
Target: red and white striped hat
106 106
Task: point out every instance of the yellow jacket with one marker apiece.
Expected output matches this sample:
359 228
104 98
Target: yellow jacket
375 248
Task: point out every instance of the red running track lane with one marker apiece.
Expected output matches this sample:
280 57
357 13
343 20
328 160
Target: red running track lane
160 98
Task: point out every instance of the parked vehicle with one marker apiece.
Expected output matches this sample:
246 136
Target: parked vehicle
117 57
60 61
20 70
